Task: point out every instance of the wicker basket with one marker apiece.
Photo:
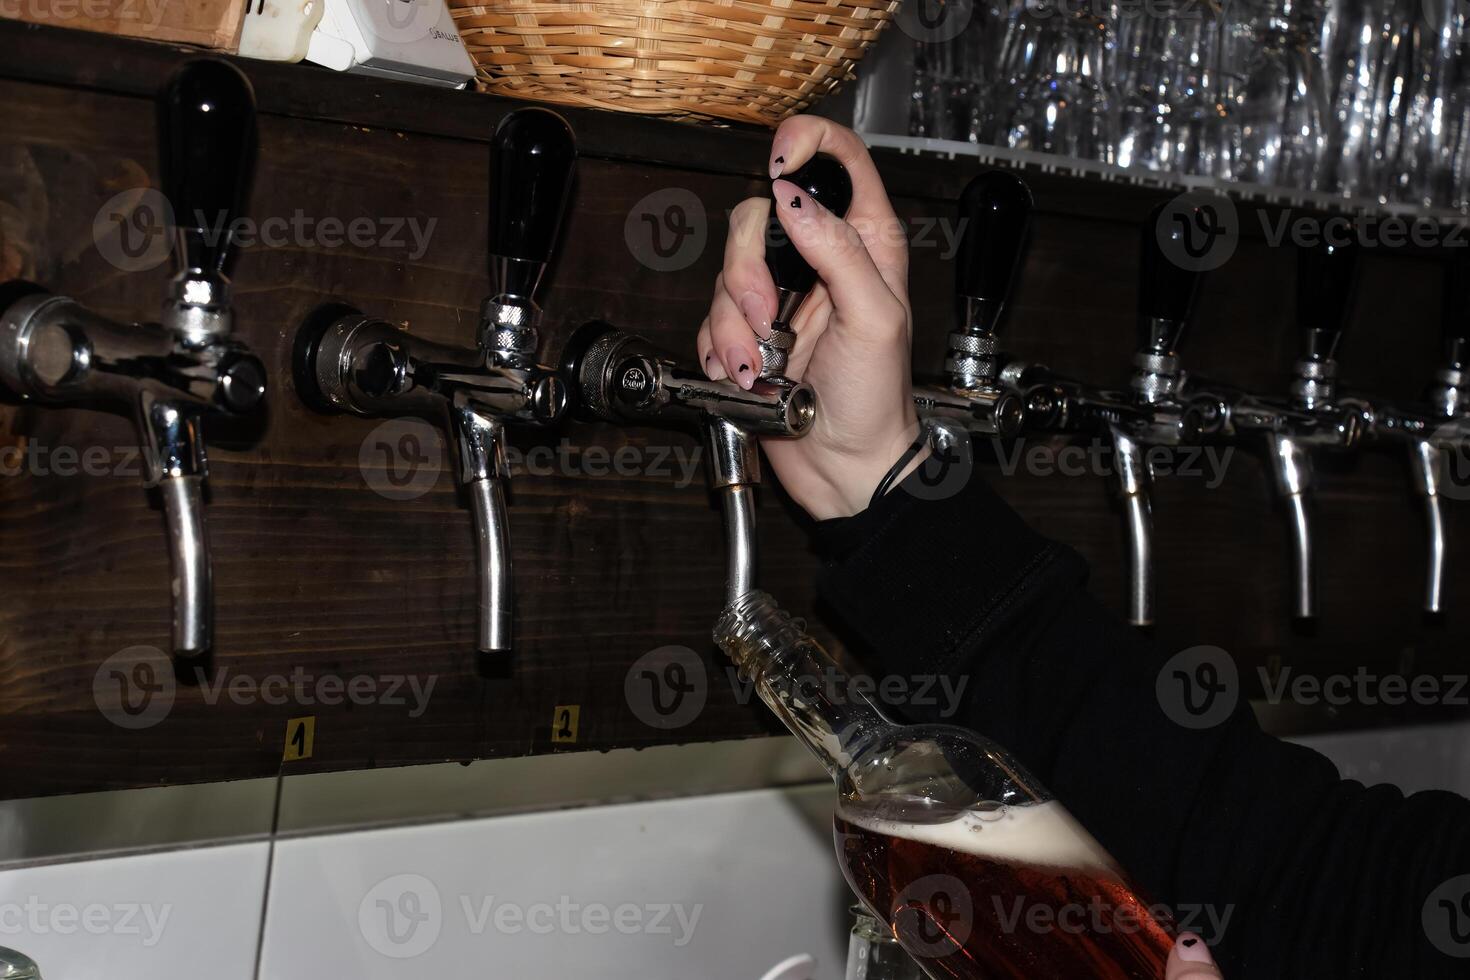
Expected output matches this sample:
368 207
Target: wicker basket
741 60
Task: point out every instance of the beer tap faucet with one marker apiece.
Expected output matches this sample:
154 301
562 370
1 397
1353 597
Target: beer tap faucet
621 378
171 375
1312 415
993 213
1153 412
346 361
1440 425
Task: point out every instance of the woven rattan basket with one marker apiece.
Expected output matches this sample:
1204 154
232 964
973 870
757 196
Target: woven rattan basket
741 60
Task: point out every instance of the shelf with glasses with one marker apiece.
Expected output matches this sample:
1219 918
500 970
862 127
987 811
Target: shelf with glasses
1259 194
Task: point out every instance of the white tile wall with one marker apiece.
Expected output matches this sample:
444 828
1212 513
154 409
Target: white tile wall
713 887
176 915
708 888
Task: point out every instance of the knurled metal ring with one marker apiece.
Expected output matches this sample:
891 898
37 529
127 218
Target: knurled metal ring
773 359
968 343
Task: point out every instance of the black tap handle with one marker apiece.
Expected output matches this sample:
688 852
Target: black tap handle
533 159
1325 276
206 134
995 210
1166 289
827 182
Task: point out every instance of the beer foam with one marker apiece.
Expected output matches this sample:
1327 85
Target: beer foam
1037 834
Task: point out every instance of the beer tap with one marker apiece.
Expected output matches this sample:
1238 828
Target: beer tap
171 375
1440 425
993 212
346 361
1152 413
1312 415
621 378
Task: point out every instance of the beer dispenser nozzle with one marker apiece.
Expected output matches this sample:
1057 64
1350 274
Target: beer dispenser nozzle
621 378
993 213
1154 413
346 361
170 375
1440 425
1313 414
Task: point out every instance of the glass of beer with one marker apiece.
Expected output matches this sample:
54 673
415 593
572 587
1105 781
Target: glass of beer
949 842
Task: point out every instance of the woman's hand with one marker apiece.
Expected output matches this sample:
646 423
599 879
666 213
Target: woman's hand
1190 959
853 333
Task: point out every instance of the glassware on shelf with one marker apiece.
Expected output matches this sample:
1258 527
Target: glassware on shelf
1059 99
1355 35
954 61
1284 110
944 835
1179 113
1423 162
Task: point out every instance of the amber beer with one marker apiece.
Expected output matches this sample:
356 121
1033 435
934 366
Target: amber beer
1018 891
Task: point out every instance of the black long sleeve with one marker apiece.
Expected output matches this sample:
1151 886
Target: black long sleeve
1320 876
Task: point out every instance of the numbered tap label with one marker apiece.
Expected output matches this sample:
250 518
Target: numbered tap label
401 458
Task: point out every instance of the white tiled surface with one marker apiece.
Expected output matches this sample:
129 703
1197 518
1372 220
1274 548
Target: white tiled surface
751 873
179 915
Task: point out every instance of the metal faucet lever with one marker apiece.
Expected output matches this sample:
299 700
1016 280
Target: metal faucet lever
828 183
994 211
350 362
621 378
167 376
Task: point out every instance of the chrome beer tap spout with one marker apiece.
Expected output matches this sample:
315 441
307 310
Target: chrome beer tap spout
347 361
1435 432
1312 415
171 375
994 210
1153 413
621 378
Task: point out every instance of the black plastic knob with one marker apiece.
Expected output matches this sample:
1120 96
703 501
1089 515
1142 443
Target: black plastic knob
994 212
207 141
1166 289
829 185
1326 274
241 383
533 159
